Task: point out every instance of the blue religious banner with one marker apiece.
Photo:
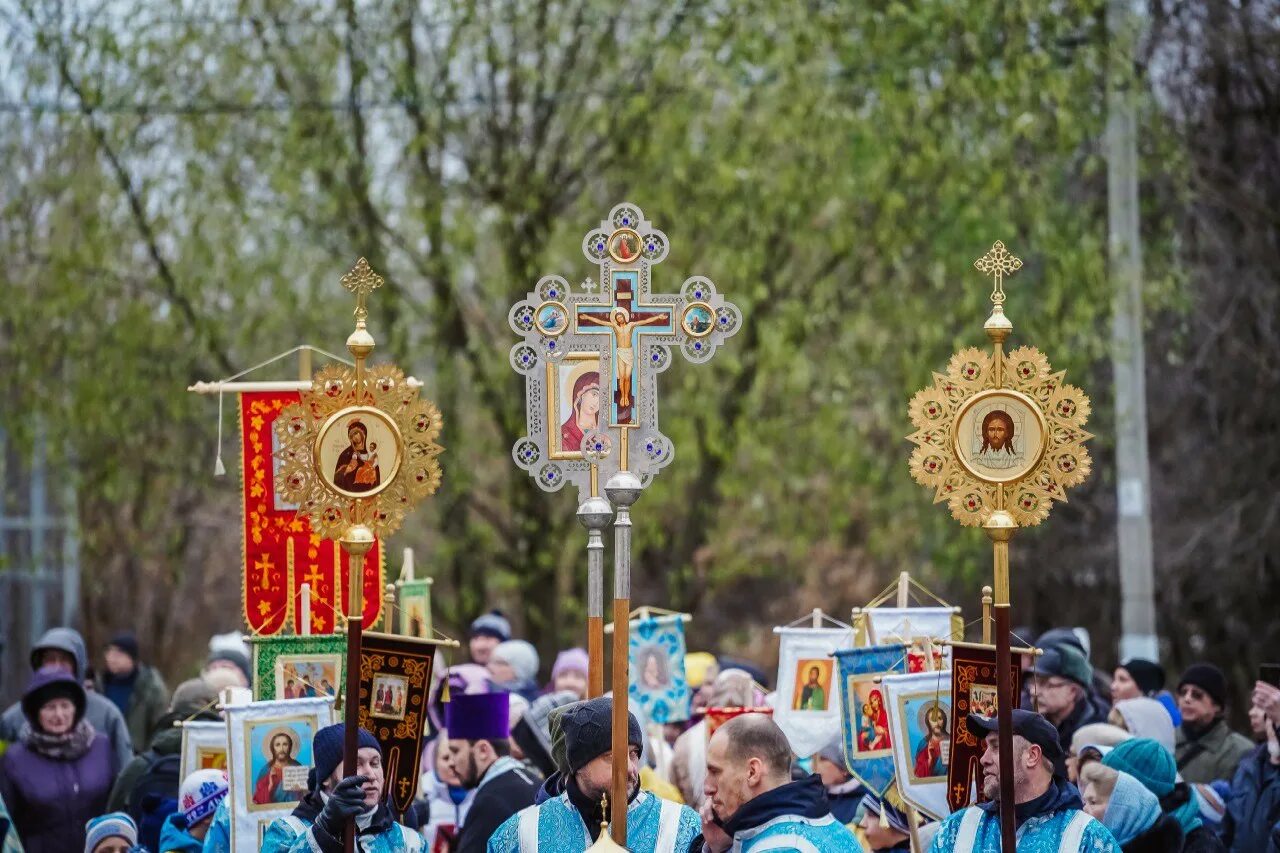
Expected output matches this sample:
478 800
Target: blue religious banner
658 682
864 712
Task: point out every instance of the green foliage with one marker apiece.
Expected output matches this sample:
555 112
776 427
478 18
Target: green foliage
201 178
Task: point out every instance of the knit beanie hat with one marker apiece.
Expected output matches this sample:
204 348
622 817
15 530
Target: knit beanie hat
193 696
570 660
1058 637
521 656
326 750
1147 761
1131 810
111 825
559 751
492 624
126 642
1208 678
588 728
200 794
1067 662
699 665
1148 675
233 656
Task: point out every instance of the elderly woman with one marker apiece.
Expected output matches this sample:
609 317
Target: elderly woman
57 776
1129 810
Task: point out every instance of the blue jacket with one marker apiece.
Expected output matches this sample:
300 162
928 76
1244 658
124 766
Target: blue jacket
1051 823
174 837
218 838
1252 821
795 817
556 826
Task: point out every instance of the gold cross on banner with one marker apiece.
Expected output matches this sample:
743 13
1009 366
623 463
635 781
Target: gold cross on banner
998 263
264 565
362 280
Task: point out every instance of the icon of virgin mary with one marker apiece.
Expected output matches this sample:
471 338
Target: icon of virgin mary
586 412
357 469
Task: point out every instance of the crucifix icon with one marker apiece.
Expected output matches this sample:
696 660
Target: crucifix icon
627 322
264 565
998 263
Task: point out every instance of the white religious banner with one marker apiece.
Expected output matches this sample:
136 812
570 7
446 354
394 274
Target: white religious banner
919 727
270 757
204 746
807 707
918 627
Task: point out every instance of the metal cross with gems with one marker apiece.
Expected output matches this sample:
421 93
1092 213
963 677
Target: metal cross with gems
590 359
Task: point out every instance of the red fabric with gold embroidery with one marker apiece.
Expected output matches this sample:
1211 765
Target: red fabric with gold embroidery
280 551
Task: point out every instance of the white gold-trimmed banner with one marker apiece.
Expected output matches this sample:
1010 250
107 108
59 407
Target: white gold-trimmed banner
808 702
919 723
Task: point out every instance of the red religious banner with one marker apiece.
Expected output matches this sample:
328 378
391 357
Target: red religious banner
973 690
280 551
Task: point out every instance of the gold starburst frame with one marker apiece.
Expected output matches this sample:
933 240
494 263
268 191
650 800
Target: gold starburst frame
952 454
386 404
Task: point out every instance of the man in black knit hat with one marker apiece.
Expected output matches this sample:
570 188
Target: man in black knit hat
1206 748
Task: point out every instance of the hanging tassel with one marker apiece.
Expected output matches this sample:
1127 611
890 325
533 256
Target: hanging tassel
219 470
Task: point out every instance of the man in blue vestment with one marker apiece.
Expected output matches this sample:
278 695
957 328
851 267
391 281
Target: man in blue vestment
571 821
1049 818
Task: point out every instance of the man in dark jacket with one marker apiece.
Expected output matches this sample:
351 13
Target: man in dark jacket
754 803
64 648
1061 688
1252 821
192 700
135 688
1206 748
479 751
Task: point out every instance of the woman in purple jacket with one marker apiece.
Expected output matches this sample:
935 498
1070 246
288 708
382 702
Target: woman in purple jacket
59 773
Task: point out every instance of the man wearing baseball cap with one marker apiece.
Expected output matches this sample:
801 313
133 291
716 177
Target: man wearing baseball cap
1048 808
571 821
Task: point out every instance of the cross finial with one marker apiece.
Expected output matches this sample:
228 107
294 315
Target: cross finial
361 280
998 263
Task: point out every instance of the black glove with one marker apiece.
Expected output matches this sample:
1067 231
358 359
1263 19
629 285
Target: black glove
346 800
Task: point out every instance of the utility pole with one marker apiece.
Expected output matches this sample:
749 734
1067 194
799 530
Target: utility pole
1128 355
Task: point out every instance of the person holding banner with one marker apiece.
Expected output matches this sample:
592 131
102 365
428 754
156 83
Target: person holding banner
1049 812
320 820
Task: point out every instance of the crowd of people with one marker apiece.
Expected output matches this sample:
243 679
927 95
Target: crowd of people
1102 762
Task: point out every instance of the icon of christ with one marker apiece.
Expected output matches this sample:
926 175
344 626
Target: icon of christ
624 355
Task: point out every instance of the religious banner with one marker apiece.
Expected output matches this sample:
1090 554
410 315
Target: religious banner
915 626
269 760
415 608
291 667
920 728
973 691
204 746
809 695
281 551
864 712
658 683
395 679
717 717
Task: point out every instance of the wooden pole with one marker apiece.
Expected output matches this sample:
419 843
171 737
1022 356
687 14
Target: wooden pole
999 528
356 542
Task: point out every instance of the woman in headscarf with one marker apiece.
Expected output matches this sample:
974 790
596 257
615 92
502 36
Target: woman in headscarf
59 773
